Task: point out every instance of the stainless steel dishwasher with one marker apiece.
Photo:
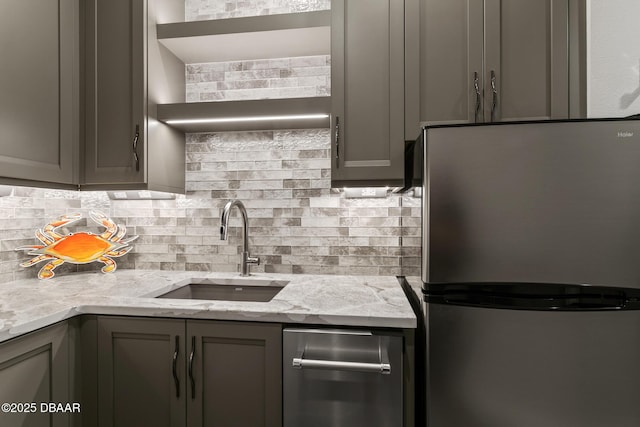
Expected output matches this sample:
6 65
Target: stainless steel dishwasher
342 377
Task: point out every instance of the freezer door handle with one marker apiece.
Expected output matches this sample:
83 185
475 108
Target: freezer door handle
384 367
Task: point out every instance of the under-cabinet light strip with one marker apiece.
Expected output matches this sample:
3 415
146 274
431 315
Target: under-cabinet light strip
248 119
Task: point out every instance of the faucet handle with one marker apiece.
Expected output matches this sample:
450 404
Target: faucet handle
253 260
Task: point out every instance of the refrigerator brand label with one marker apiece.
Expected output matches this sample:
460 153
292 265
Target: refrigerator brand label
625 134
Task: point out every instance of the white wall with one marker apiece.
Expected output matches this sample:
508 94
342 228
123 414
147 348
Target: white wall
613 62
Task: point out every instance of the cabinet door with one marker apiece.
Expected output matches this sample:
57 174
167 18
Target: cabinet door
526 59
35 369
38 83
367 94
141 372
451 55
115 91
237 374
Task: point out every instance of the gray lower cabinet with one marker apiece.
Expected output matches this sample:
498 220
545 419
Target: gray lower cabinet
492 60
237 374
38 110
167 372
367 92
136 383
34 369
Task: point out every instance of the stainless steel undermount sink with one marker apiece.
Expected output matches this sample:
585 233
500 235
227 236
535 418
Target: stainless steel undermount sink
257 290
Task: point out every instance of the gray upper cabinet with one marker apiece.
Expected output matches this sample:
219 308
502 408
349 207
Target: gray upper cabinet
125 73
367 92
39 86
35 369
493 60
80 84
115 90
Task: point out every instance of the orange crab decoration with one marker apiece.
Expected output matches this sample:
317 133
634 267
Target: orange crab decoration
78 248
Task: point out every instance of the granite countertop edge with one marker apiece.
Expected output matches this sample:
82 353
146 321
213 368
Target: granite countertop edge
362 301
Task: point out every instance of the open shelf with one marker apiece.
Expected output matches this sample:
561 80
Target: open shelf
255 37
261 114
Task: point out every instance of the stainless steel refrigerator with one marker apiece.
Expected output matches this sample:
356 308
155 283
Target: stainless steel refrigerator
531 274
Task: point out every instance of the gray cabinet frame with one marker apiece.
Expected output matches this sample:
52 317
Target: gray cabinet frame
237 372
135 372
234 366
115 73
128 73
466 45
40 83
524 88
35 369
90 115
367 92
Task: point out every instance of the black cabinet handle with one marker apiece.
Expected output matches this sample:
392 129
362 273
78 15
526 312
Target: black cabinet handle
494 90
175 366
476 86
135 148
337 141
191 378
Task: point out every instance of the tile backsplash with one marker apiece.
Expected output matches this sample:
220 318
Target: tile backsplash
297 223
305 76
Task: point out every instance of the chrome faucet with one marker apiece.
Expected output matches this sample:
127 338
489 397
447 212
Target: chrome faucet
224 226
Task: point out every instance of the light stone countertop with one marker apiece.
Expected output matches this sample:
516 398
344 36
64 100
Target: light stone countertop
367 301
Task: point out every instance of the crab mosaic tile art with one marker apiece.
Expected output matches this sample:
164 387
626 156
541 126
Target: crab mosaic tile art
80 247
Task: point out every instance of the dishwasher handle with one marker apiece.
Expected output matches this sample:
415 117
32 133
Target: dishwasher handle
384 367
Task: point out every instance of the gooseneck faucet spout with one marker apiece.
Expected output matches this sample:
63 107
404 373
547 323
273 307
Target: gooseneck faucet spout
224 232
